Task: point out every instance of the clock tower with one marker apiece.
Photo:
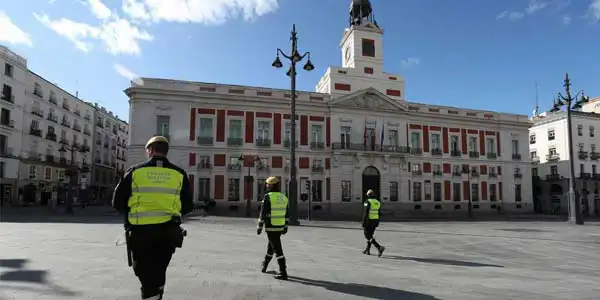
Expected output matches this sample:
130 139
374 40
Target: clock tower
362 41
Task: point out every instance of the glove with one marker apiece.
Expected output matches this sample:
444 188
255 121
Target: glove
258 230
284 230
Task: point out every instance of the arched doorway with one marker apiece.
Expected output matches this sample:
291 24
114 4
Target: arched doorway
371 180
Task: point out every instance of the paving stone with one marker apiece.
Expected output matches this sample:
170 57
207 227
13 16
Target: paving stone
78 259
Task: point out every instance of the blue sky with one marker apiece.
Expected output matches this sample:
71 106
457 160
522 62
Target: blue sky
467 53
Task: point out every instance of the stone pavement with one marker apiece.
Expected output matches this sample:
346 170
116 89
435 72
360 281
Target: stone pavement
220 258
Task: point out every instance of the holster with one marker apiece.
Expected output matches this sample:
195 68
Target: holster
177 234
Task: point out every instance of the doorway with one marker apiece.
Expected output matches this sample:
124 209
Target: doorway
371 180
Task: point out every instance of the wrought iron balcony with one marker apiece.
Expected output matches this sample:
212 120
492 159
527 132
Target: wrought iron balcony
535 159
204 165
417 172
234 167
455 153
64 140
37 112
552 177
205 140
457 173
437 173
53 100
7 97
65 123
262 142
36 132
596 176
553 157
318 169
594 155
518 175
317 145
516 156
436 152
52 118
582 154
232 141
87 132
473 154
376 148
51 136
492 175
492 155
585 175
262 167
288 143
77 127
474 173
416 151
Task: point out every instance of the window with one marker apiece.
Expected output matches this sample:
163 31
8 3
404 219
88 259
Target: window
32 172
7 93
235 160
234 189
287 133
492 170
393 191
534 172
518 193
592 131
346 191
5 117
345 139
456 169
162 125
517 171
493 196
203 188
61 175
317 133
515 147
551 134
581 168
393 137
454 145
416 167
3 143
437 191
415 140
368 47
579 130
206 128
532 139
593 147
474 192
204 161
554 170
2 173
435 141
594 169
456 191
260 189
437 169
47 173
533 154
552 151
317 190
8 70
472 144
417 193
581 147
264 130
427 190
235 129
370 138
491 145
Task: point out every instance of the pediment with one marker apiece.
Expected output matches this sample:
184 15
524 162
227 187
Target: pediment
369 99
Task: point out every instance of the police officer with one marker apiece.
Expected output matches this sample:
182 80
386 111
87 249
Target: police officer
274 216
371 221
154 194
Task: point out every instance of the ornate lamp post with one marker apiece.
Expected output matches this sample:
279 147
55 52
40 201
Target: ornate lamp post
294 57
571 103
73 171
249 182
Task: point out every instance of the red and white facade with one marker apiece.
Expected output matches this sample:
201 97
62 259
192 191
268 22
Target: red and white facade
357 132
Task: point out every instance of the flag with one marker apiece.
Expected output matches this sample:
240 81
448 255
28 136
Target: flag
382 134
365 135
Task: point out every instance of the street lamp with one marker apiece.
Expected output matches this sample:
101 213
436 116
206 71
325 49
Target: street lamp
255 160
294 58
571 103
72 170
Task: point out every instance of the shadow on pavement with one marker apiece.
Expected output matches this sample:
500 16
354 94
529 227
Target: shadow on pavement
363 290
17 263
440 261
19 274
88 215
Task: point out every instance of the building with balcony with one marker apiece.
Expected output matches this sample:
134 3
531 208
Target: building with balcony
549 154
110 145
357 132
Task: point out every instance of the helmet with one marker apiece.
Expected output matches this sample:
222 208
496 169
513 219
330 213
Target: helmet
157 139
272 180
370 192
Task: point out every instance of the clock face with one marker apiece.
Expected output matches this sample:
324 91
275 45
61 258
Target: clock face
347 53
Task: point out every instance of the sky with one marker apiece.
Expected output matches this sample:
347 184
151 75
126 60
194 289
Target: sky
466 53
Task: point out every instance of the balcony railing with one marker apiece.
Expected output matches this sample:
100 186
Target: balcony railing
8 123
552 157
596 176
204 165
234 167
535 159
66 107
492 175
594 155
6 152
52 118
417 172
77 127
582 154
474 174
518 175
317 145
585 175
64 141
473 154
491 155
552 177
36 132
376 148
77 112
260 142
8 98
205 140
516 156
288 143
456 173
262 167
51 136
87 131
37 92
415 151
317 169
37 112
99 124
436 152
235 141
65 123
53 100
455 153
87 117
437 173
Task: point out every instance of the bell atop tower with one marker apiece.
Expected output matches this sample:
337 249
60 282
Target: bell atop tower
361 11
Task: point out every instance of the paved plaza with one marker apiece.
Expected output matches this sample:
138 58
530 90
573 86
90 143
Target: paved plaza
221 256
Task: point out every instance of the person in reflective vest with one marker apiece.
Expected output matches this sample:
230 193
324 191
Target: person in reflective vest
372 207
154 195
274 217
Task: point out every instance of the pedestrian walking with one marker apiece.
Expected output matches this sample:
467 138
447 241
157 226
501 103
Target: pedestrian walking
371 214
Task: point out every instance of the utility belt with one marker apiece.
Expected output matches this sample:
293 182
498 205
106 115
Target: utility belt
174 233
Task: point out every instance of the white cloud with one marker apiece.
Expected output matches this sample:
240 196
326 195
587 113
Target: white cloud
593 13
198 11
11 33
566 20
533 7
118 35
99 10
510 15
123 71
411 61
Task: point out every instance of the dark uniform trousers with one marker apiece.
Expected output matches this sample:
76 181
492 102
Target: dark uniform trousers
152 249
369 231
274 247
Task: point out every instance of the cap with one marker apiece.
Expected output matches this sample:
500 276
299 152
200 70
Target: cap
370 192
157 139
272 180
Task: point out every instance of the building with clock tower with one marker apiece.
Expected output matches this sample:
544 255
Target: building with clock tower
357 131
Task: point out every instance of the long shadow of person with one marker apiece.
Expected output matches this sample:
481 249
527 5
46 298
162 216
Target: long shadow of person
38 277
16 263
441 261
364 290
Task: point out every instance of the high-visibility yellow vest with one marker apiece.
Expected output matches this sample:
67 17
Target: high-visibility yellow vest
155 195
373 209
279 203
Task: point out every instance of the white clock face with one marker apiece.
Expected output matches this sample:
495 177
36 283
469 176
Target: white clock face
347 53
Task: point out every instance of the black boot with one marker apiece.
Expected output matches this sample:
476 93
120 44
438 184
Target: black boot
265 263
367 250
379 247
282 269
